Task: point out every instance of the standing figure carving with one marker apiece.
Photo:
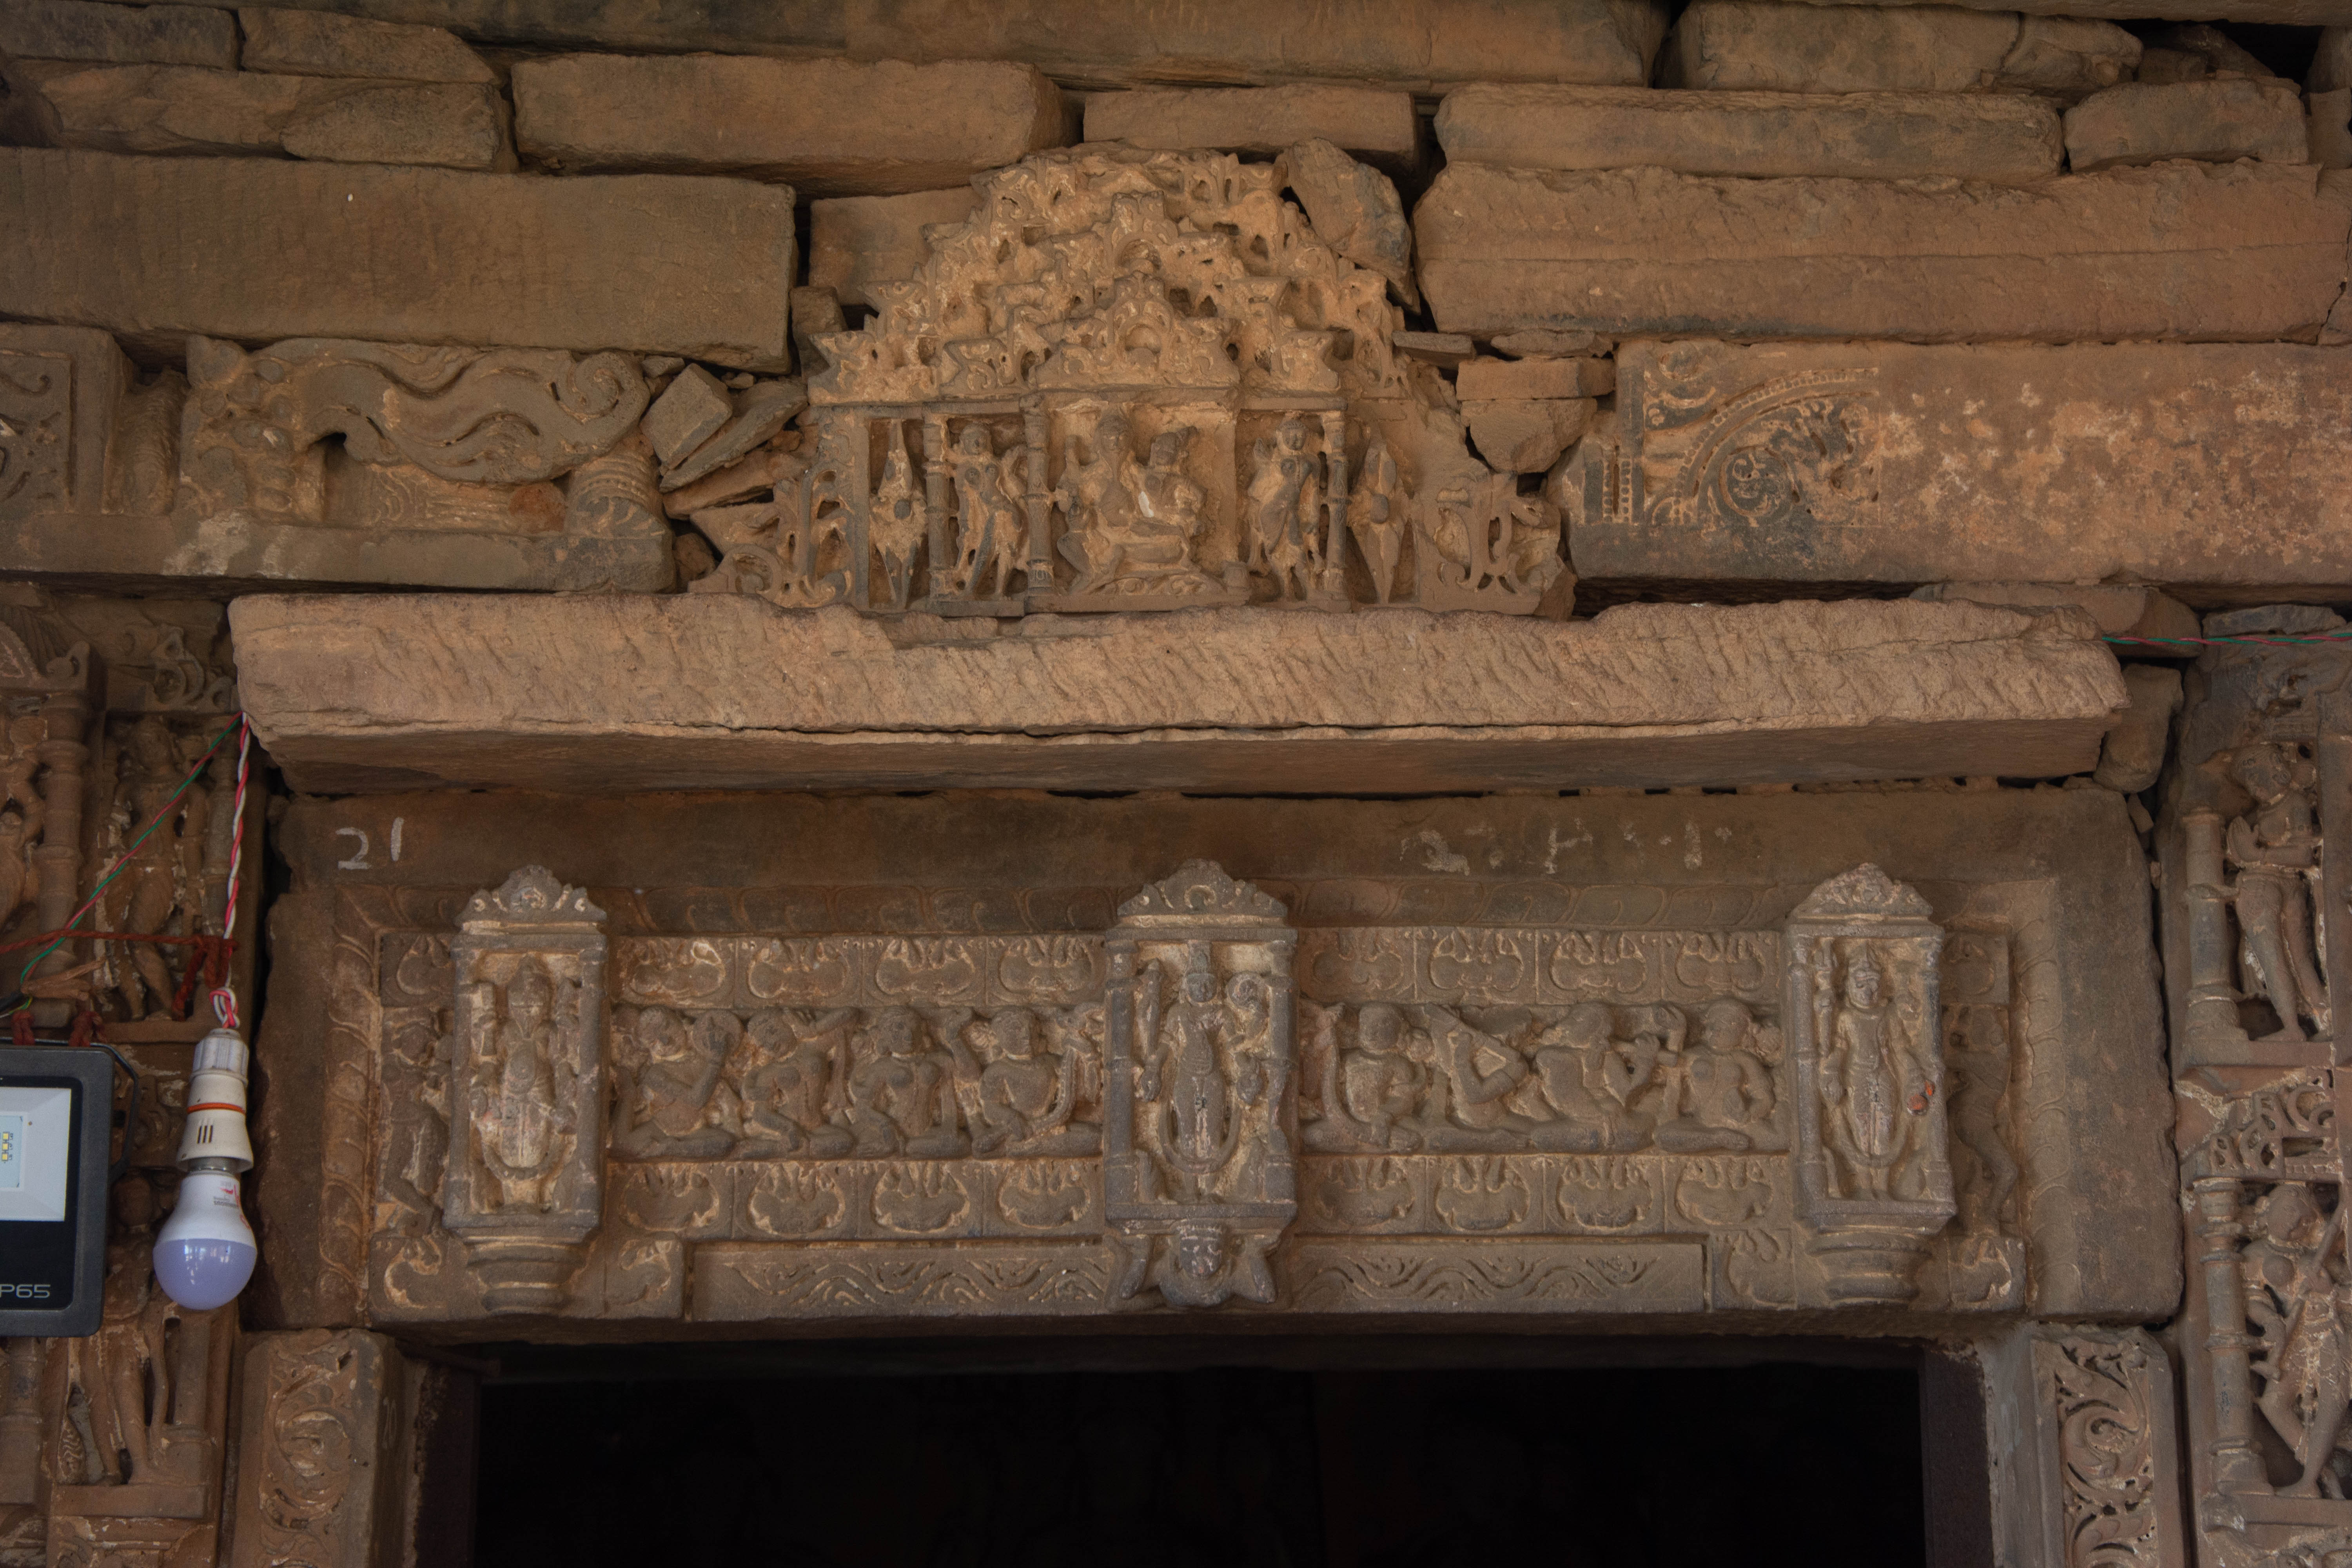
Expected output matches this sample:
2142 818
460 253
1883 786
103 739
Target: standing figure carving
155 882
521 1107
1284 544
1874 1084
2299 1299
2275 847
988 523
902 1091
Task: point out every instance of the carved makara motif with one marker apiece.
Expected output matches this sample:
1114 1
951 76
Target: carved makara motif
1200 1175
524 1188
1866 1046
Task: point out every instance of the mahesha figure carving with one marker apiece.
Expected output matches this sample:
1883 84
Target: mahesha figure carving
672 1103
901 1099
1021 1101
2275 848
521 1110
793 1095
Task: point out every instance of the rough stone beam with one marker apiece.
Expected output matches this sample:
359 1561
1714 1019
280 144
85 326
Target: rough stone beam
724 691
2238 251
258 249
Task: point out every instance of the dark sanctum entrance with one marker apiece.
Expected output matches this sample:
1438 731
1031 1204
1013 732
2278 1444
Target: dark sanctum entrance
1379 1456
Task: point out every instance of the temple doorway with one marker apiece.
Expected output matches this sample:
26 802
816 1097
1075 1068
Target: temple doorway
1379 1454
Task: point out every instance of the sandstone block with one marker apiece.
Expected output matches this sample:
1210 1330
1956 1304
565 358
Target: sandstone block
686 415
723 690
2200 251
182 108
857 242
2218 120
831 127
2285 13
1404 43
2331 61
120 35
1770 48
157 245
1355 209
1526 436
1376 125
1875 136
2213 466
1549 345
2124 609
1434 348
2328 123
1489 378
2134 754
320 43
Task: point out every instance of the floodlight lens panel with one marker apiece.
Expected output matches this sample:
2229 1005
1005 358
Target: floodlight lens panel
36 1151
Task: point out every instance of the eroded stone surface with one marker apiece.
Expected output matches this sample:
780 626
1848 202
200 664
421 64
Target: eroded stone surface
2219 121
704 690
152 246
320 43
120 35
1376 125
830 127
1774 48
2209 465
182 110
857 242
2235 251
1874 135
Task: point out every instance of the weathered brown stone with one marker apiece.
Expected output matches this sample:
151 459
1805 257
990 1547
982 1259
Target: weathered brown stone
857 242
2145 616
320 43
296 1385
2218 467
830 127
1773 48
2199 251
726 690
1485 378
1356 210
2218 120
688 413
1525 436
157 245
1875 136
2328 123
2133 757
120 35
2285 13
182 108
1376 125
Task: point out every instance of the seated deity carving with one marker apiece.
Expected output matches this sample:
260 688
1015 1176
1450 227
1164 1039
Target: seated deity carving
794 1092
1017 1098
673 1103
1469 1102
1719 1094
1368 1090
902 1091
1132 528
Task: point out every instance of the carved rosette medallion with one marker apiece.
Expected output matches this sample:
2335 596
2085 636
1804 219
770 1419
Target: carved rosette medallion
525 1184
1199 1176
1874 1174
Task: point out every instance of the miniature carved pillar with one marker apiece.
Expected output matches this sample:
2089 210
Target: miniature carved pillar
2212 1000
1874 1168
2236 1466
1199 1177
1335 498
938 552
1041 517
525 1183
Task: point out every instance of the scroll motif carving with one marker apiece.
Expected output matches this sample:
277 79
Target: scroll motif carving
2113 1505
1871 1095
317 1472
526 1137
35 429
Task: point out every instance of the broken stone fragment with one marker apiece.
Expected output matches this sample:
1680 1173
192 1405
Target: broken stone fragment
2133 755
755 415
1376 125
2213 50
2122 608
1496 378
2218 120
320 43
685 416
1772 47
117 34
816 312
1877 135
1443 349
1355 210
2180 250
832 127
1530 344
1525 436
2327 119
857 242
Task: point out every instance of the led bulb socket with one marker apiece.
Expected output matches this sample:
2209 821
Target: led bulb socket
216 1133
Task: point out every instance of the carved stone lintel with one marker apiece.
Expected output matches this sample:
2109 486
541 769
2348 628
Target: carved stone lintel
525 1182
2086 1461
1199 1176
1863 1018
317 1480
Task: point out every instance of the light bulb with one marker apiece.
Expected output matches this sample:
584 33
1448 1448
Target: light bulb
206 1251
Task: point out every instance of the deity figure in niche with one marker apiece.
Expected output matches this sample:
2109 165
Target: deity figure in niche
1469 1107
521 1114
1020 1100
1201 1074
1369 1089
164 872
1284 541
988 518
900 519
1099 496
2299 1299
793 1092
673 1103
901 1099
2275 847
1719 1095
1376 517
1873 1085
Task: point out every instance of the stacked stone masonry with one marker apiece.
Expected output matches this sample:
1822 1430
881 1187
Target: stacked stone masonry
1552 668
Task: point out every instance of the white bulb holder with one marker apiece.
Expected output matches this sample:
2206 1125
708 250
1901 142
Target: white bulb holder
205 1252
